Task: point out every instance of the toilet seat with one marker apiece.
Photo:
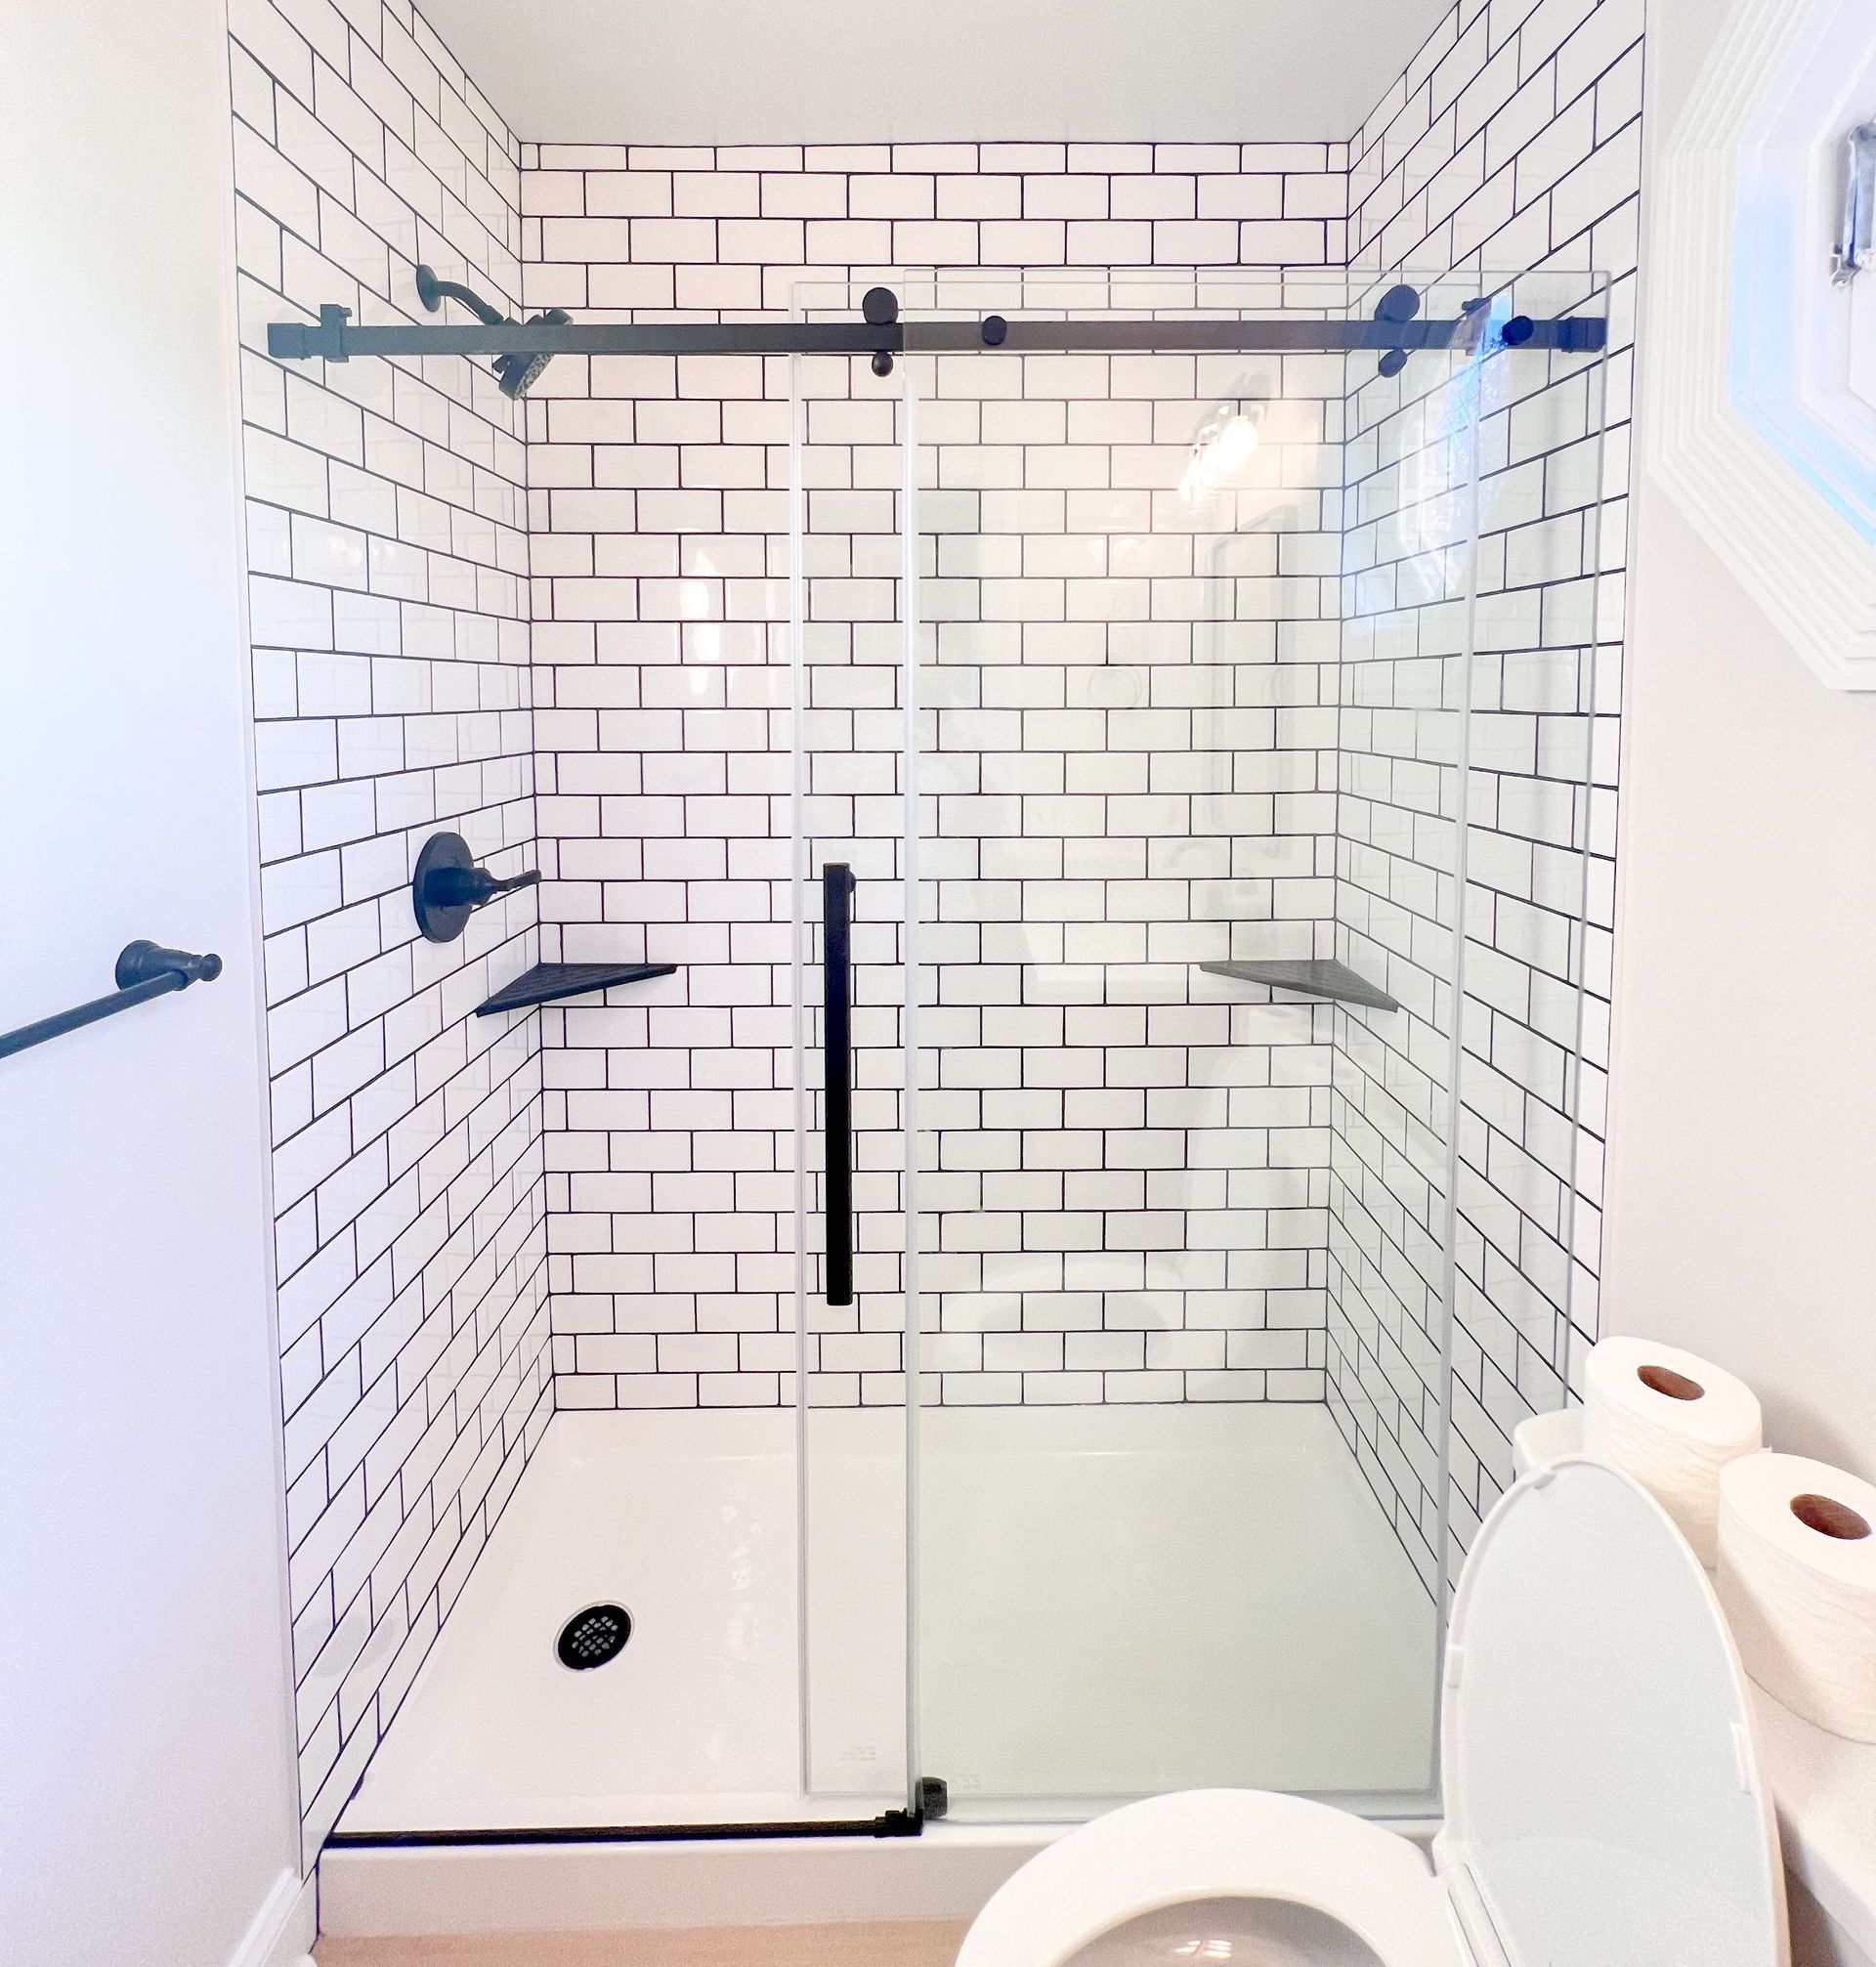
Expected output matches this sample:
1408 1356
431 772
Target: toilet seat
1604 1795
1209 1843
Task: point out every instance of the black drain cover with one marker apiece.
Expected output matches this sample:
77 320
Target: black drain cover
592 1637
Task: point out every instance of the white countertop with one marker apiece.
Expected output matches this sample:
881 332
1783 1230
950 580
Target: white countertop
1825 1791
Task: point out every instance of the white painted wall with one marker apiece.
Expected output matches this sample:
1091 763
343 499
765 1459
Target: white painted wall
147 1808
1741 1218
823 71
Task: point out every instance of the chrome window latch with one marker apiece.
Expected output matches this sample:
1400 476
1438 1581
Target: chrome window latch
1855 245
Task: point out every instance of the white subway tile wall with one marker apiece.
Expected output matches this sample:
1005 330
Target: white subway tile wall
1129 768
1126 769
388 549
1154 734
1512 145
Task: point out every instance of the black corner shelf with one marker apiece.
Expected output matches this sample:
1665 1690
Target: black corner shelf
547 981
1321 977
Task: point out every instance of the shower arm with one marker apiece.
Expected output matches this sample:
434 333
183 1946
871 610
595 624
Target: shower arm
433 292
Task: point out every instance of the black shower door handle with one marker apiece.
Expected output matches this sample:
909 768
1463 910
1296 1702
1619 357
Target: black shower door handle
836 888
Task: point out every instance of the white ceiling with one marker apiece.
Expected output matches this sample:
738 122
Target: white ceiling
791 71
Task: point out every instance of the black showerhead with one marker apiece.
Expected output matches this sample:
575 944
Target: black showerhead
515 374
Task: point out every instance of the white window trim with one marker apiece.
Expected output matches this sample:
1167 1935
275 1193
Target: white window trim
1718 440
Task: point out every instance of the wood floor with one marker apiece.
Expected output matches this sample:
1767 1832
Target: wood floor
900 1943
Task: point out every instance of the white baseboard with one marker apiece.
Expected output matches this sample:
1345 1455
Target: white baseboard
948 1873
284 1930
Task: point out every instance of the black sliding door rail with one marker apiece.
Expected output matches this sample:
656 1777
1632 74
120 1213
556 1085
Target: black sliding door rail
144 970
888 1823
836 888
334 338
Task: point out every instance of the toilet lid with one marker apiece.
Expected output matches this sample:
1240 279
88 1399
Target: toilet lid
1604 1806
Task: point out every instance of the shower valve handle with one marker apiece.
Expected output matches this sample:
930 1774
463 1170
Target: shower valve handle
449 887
475 888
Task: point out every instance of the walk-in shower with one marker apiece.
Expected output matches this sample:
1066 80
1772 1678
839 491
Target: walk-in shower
1158 818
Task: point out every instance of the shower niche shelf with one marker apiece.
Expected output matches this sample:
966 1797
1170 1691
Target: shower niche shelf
546 982
1320 976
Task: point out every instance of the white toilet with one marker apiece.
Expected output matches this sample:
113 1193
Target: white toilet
1604 1806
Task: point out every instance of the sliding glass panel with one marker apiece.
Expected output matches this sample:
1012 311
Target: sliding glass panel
1151 1554
1539 884
849 611
1410 464
1222 1319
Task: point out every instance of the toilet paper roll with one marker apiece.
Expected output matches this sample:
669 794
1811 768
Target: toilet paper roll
1673 1420
1797 1581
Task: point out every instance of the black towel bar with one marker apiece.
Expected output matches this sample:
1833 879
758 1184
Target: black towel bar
144 970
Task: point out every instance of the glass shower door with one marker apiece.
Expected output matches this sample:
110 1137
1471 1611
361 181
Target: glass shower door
1539 883
1150 1554
851 604
1143 695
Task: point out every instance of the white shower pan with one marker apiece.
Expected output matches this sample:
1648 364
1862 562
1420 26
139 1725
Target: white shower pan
1113 1601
